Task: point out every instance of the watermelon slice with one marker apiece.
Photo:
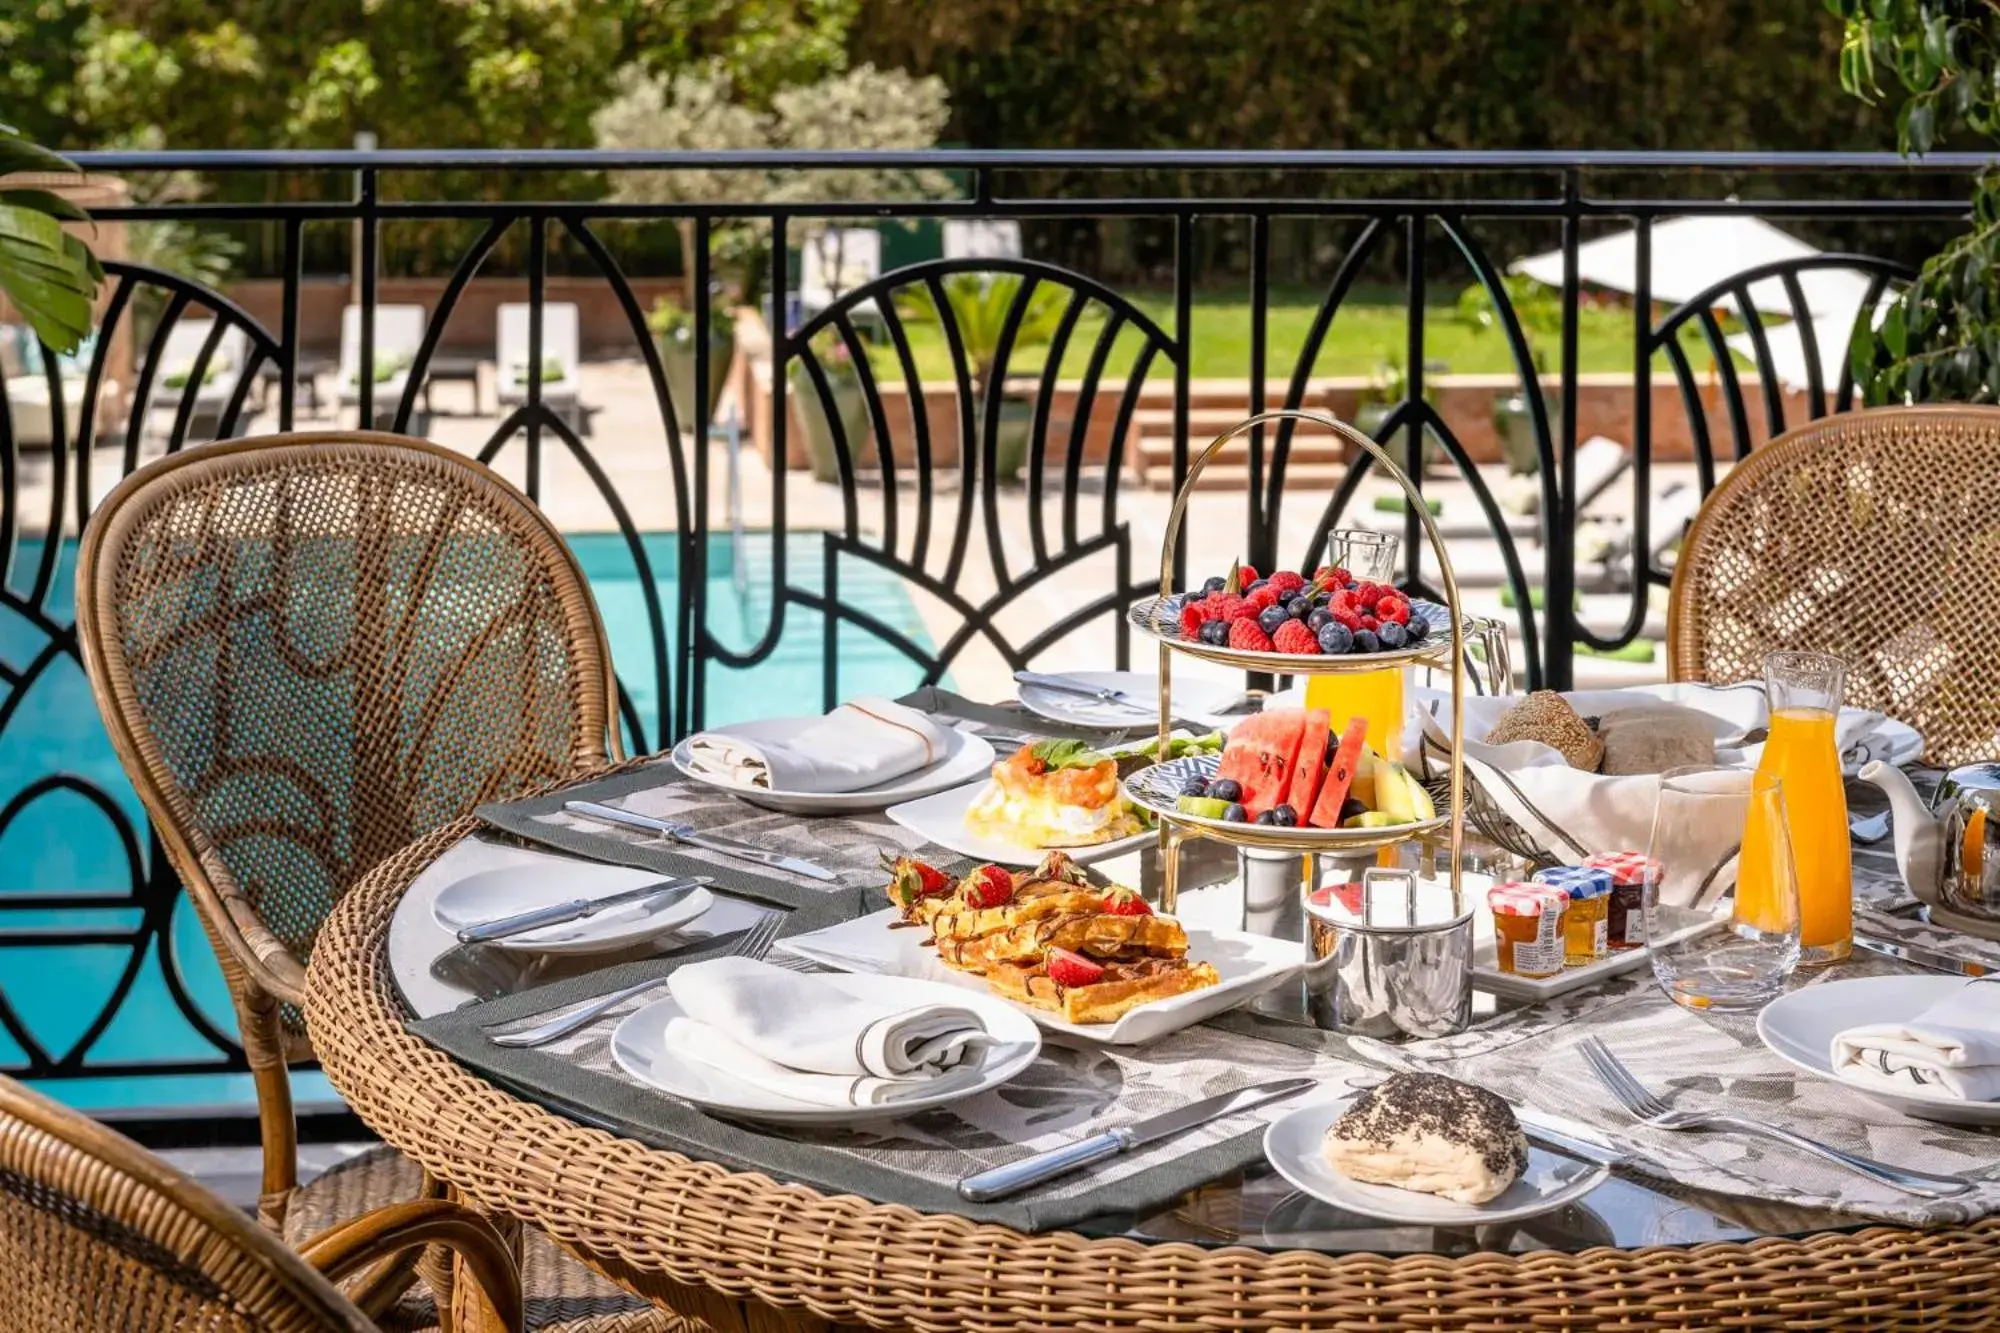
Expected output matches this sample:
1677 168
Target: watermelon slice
1333 792
1310 767
1259 756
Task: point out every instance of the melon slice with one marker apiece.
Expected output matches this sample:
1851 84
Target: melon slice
1260 754
1310 767
1333 792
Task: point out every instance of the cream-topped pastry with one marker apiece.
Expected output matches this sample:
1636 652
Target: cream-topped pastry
1430 1133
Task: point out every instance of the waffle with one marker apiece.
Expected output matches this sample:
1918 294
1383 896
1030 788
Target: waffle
1123 987
955 921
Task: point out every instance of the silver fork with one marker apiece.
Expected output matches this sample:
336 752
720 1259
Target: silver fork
754 943
1632 1094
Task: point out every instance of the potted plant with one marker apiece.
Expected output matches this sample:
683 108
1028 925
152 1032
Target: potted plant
979 305
1539 313
673 329
1385 391
849 404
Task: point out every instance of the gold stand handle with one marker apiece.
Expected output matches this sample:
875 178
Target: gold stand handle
1170 839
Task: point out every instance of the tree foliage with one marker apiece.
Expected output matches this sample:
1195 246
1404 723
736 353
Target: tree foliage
1940 340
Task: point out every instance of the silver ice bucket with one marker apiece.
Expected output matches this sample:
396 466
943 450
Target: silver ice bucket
1389 958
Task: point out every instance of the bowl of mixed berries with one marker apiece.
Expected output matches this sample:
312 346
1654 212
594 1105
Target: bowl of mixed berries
1325 613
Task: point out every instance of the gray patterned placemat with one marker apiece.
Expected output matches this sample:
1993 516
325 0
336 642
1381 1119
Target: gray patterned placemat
1068 1093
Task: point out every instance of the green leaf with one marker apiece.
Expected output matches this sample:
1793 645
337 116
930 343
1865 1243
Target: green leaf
1892 333
43 202
1065 753
1919 129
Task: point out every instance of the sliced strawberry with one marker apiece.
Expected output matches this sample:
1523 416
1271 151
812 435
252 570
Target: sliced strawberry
1125 902
988 886
911 880
1070 969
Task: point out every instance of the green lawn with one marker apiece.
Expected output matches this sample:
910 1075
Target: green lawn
1369 330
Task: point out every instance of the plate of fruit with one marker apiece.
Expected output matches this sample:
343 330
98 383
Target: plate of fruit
1281 622
1285 774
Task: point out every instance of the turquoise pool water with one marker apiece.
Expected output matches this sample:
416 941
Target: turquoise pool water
61 842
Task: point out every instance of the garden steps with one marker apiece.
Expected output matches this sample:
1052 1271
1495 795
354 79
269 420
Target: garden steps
1313 454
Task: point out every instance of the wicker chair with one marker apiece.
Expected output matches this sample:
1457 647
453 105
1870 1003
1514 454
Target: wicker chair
310 650
99 1236
1870 535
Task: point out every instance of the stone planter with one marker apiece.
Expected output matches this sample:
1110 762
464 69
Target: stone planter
1010 434
1515 427
850 404
677 359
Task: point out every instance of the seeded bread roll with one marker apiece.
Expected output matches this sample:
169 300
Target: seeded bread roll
1430 1133
1546 716
1653 740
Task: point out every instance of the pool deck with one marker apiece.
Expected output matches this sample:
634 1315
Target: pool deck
627 441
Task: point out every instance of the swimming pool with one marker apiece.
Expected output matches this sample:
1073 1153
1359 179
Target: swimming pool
61 842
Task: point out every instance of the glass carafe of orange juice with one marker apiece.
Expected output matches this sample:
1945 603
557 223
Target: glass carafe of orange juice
1368 557
1804 690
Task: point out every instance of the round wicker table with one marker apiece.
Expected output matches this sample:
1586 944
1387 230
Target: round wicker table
740 1251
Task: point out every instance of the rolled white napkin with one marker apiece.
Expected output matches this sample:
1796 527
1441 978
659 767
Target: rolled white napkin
862 743
826 1024
1951 1047
706 1045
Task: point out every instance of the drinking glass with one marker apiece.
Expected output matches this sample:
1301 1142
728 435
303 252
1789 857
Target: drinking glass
1369 557
1804 691
1702 844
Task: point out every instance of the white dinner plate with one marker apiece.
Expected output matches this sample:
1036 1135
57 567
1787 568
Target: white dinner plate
487 895
1195 699
638 1045
1248 964
1799 1028
941 819
1293 1146
965 757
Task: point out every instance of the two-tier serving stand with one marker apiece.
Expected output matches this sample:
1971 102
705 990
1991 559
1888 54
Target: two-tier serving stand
1158 617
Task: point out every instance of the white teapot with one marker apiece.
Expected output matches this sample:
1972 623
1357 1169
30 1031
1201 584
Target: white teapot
1949 850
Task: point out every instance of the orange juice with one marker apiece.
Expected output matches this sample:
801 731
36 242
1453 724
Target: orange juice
1375 695
1803 755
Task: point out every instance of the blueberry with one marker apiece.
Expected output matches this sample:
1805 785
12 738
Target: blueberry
1418 629
1319 619
1195 786
1284 816
1366 642
1392 635
1268 817
1225 789
1235 814
1214 632
1335 638
1350 807
1299 608
1271 617
1253 587
1214 585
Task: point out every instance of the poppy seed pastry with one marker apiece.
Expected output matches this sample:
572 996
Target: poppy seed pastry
1430 1133
1546 716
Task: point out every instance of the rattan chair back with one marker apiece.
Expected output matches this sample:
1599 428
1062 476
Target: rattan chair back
99 1236
1870 535
311 649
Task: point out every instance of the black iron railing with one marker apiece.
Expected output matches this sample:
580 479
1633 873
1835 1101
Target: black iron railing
922 497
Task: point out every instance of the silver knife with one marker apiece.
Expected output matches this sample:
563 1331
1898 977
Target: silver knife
694 837
1538 1128
1014 1177
668 891
1064 685
1919 956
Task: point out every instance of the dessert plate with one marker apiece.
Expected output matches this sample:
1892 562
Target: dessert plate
1799 1028
638 1046
1292 1146
1194 699
941 819
1248 964
965 757
1159 787
487 895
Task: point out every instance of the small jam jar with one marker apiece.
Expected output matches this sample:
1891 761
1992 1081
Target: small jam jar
1528 927
1586 927
1625 922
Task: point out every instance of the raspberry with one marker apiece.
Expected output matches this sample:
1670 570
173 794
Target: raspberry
1339 577
1367 594
1069 969
1247 636
1294 637
988 886
1286 582
1263 597
1193 614
1370 623
1226 606
1346 615
1393 608
1124 902
1245 575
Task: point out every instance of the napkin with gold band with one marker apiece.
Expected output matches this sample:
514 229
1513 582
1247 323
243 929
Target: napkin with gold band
862 743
